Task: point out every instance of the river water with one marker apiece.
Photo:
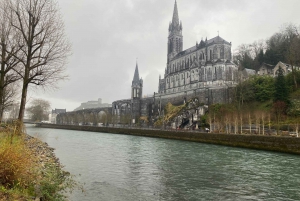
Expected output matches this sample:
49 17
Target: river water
129 168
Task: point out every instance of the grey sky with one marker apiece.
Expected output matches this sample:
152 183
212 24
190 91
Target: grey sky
108 35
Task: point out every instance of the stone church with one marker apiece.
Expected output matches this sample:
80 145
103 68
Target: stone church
205 72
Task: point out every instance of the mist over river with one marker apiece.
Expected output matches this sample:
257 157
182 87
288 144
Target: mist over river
130 168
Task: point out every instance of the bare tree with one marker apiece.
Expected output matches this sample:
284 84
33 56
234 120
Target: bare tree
44 45
8 48
293 50
39 110
9 94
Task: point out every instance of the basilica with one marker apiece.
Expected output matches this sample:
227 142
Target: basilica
207 63
205 72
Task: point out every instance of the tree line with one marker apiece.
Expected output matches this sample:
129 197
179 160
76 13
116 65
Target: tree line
259 103
282 46
33 49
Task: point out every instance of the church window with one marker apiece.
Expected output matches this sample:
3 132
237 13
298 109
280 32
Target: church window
210 54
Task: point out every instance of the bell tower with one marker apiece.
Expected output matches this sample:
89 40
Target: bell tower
175 39
136 95
137 85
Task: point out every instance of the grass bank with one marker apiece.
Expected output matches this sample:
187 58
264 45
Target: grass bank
29 169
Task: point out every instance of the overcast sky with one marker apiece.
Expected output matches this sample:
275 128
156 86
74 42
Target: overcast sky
108 35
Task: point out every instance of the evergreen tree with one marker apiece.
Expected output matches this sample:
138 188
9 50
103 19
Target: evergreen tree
260 57
281 88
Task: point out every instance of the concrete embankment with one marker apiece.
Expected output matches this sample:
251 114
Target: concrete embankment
269 143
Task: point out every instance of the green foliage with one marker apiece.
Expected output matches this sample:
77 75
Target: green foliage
257 88
54 183
290 79
281 88
260 57
294 108
247 62
272 57
244 92
263 87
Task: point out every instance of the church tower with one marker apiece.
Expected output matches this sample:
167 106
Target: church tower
137 84
136 95
175 39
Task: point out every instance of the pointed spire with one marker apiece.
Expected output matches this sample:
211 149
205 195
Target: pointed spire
175 20
136 76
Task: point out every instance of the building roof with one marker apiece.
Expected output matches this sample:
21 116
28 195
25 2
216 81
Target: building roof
217 39
202 44
267 65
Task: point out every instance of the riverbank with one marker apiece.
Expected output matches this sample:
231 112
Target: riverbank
261 142
30 170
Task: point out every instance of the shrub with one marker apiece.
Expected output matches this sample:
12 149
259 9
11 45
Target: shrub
16 163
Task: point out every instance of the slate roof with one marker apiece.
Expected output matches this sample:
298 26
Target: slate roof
202 44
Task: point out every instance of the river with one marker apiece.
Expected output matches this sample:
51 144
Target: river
129 168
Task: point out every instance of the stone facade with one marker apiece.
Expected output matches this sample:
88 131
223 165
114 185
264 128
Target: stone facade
204 71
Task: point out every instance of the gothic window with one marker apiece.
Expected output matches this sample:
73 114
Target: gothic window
201 75
210 55
222 52
209 75
179 45
219 76
215 73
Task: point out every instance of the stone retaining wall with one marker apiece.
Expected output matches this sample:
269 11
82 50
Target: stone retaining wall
269 143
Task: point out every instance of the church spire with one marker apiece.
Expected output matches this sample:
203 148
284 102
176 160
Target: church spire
136 77
175 20
175 43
